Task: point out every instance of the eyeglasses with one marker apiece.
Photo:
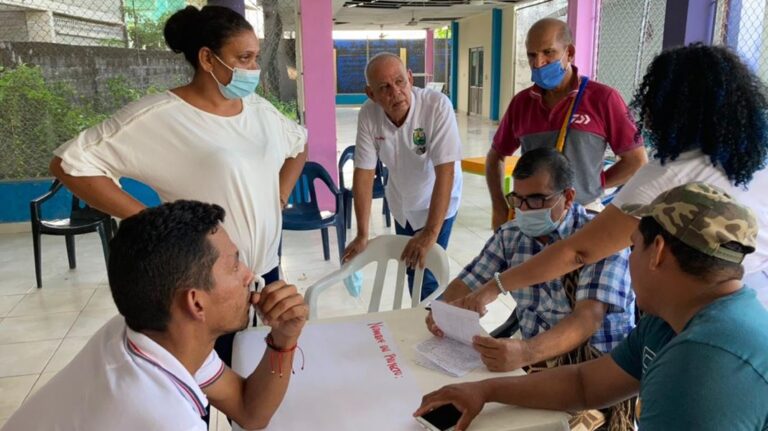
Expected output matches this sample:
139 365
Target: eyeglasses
534 202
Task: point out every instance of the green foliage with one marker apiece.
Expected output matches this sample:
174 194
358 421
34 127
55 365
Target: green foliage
145 32
36 117
120 94
443 33
288 108
112 43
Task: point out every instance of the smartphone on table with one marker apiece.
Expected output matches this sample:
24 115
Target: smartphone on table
443 418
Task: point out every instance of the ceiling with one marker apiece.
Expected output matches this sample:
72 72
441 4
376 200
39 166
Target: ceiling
407 14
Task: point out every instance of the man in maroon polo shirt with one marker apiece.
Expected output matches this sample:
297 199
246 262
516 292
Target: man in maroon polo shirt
535 116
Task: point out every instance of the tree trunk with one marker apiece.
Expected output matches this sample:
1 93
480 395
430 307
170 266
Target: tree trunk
270 49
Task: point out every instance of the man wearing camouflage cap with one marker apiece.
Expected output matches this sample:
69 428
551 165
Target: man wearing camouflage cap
698 359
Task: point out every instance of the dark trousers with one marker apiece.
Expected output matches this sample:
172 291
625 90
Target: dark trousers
224 343
429 284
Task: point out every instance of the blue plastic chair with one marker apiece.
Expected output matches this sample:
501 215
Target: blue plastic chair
303 213
379 182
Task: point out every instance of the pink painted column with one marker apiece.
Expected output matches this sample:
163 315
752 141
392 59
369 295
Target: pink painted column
429 56
583 20
316 21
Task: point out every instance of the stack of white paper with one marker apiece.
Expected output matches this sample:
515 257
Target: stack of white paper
452 354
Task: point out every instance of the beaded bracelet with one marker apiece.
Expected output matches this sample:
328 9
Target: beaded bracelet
498 283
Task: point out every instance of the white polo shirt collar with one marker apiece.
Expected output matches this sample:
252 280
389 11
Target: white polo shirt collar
145 349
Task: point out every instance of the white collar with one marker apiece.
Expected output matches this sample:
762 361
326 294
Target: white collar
147 350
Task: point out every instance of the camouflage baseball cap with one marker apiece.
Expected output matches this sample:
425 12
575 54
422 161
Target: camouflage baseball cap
704 218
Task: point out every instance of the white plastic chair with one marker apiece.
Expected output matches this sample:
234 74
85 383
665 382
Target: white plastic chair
381 250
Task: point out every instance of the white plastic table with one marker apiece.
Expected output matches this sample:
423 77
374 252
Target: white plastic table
408 328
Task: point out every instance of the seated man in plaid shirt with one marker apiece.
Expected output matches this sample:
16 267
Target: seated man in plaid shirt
593 306
567 320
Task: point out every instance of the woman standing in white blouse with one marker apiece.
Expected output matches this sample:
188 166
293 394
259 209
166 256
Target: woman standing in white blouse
212 140
704 114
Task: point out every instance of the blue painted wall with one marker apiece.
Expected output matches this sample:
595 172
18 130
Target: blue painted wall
351 99
352 56
495 63
15 197
455 64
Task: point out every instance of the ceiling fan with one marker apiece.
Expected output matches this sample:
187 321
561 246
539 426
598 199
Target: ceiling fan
413 21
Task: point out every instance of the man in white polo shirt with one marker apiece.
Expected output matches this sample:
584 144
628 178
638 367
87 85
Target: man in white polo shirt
178 283
414 133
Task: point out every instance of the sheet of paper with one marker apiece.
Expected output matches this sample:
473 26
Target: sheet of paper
457 323
427 363
450 356
354 379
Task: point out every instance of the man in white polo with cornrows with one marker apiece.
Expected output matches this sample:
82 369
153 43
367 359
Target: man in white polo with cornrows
414 133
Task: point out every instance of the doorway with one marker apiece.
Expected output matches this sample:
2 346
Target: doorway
475 81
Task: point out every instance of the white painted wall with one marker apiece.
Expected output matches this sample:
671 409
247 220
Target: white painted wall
474 32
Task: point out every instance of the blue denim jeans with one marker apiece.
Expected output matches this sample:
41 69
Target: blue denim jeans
429 284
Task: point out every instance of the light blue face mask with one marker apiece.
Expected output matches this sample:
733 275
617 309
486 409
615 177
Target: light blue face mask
243 83
535 223
548 76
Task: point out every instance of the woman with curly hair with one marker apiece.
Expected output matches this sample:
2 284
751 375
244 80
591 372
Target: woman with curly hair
706 116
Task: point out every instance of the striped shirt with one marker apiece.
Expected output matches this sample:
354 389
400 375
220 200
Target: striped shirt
542 306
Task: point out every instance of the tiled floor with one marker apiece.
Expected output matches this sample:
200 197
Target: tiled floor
41 330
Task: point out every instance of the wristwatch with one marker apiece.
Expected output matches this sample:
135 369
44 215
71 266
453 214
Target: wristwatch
497 279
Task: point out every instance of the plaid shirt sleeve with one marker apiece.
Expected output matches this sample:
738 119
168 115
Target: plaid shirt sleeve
488 262
608 281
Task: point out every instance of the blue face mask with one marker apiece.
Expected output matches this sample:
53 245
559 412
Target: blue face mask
535 223
548 76
243 83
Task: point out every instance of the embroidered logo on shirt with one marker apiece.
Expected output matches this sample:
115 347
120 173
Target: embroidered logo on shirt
420 141
378 138
582 119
